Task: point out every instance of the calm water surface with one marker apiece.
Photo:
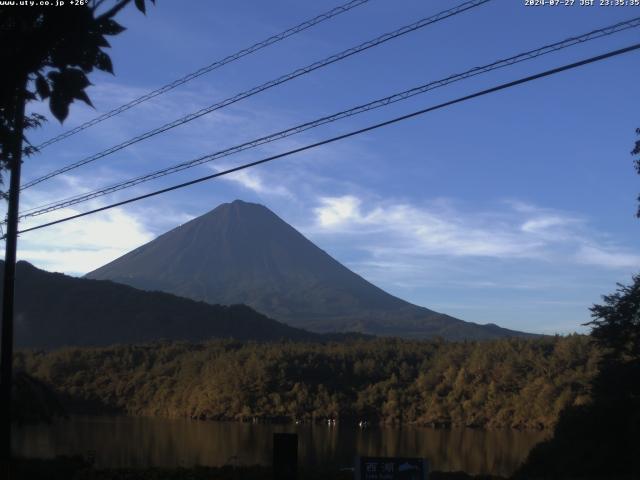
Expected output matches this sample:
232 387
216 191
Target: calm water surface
141 442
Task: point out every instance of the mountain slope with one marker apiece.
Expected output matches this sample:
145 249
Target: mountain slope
243 253
54 310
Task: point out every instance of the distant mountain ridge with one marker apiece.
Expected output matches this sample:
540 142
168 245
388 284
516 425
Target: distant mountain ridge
54 310
243 253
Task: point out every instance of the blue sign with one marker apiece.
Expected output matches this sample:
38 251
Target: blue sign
391 468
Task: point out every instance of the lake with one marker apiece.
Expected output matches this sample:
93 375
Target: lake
120 441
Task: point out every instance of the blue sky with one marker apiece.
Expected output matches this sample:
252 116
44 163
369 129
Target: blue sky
516 208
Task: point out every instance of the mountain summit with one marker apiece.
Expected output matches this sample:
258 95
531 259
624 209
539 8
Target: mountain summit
244 253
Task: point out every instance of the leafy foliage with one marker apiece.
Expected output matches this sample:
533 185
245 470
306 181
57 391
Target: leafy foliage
616 323
600 440
504 383
46 53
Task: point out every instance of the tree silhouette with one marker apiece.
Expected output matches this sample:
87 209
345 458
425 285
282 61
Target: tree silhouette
616 324
601 439
636 151
46 52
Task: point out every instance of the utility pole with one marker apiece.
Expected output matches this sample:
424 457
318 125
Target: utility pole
6 341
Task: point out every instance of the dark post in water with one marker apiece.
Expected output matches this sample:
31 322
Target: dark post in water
285 456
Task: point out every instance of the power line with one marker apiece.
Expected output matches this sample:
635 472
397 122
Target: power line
265 86
502 86
531 54
206 69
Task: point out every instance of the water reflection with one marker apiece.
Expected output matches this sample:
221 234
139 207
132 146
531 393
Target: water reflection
141 442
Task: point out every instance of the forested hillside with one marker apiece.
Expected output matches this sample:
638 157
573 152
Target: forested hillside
55 310
503 383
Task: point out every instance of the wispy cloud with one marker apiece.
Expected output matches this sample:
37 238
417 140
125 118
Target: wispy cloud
423 231
399 230
607 257
81 245
254 181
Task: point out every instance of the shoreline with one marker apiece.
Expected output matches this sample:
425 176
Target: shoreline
348 422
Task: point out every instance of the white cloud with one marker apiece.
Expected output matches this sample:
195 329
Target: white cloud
411 230
604 257
548 225
69 261
254 182
81 245
401 232
336 211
